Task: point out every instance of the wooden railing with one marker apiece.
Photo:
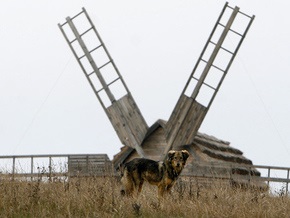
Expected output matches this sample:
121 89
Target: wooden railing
50 168
275 174
271 175
52 165
10 165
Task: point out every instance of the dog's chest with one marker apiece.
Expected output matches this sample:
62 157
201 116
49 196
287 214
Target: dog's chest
168 181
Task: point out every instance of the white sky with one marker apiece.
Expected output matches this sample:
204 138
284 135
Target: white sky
47 105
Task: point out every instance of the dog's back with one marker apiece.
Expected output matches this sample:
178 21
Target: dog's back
145 169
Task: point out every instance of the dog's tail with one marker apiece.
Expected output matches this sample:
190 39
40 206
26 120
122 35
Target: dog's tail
121 168
122 192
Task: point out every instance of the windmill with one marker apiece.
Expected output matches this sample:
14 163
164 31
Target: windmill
192 106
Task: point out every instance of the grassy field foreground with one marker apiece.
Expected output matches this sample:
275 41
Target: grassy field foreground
99 197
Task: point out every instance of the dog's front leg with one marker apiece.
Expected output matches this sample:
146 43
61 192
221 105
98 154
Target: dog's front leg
168 188
140 187
161 190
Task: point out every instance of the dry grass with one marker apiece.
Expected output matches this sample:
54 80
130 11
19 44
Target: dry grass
99 197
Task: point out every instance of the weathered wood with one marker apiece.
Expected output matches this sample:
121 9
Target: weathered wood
123 113
121 157
90 59
216 145
134 119
177 116
214 53
100 157
153 146
190 125
98 165
128 122
188 114
183 123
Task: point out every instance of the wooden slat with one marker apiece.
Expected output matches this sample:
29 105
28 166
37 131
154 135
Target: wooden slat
91 60
119 124
175 121
193 121
184 123
128 122
89 158
134 118
71 163
214 54
89 166
174 116
188 124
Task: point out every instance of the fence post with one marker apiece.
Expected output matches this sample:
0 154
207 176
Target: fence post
13 167
268 176
49 168
87 165
31 169
287 182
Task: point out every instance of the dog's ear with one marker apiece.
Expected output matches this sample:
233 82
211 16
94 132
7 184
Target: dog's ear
170 154
185 154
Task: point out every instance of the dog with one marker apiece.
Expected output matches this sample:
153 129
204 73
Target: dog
161 174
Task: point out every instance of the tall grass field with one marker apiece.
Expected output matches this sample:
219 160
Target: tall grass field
100 197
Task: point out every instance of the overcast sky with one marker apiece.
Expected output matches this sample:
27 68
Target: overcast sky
48 107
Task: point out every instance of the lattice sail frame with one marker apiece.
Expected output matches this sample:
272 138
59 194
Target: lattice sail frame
191 107
123 112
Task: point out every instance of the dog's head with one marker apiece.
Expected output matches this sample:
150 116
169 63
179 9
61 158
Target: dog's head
177 159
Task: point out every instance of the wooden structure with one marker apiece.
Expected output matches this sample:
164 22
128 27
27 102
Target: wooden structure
181 130
123 113
56 165
210 157
89 165
201 88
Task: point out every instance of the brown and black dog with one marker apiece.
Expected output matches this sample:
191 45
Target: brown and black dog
161 174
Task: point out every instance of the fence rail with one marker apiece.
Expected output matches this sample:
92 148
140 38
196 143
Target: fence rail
269 174
66 165
53 165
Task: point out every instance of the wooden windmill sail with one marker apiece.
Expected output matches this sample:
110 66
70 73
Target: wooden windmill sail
196 98
123 112
206 78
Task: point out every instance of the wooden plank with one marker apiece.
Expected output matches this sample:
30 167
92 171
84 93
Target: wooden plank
74 163
85 167
119 124
128 122
189 126
214 53
181 106
174 126
133 117
89 158
90 59
194 121
185 121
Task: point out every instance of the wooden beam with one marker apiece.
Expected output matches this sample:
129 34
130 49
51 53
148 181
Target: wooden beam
90 59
